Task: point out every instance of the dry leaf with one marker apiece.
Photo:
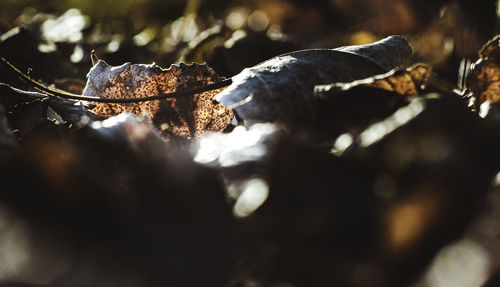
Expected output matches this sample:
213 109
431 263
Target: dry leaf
484 78
485 81
281 88
406 82
187 116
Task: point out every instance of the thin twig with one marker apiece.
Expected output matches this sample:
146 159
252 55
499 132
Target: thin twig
50 91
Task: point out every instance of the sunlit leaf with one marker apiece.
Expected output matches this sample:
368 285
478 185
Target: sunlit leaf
484 78
185 116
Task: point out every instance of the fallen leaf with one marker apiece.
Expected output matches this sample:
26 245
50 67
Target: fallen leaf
281 88
388 53
406 82
187 116
484 79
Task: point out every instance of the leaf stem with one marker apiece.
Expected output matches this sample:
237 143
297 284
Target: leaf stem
50 91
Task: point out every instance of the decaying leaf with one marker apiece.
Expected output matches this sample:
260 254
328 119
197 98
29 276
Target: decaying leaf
484 78
405 82
485 81
184 116
282 88
368 178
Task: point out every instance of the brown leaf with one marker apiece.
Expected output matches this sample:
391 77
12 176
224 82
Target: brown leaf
187 116
484 78
485 81
405 82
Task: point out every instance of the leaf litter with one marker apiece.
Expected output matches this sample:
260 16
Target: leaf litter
180 191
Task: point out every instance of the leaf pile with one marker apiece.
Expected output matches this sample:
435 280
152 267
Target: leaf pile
350 167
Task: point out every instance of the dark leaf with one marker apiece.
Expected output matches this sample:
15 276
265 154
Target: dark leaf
282 88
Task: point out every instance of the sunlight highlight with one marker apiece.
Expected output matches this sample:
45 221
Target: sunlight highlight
461 264
377 131
67 28
254 194
14 255
146 36
237 18
77 55
496 180
343 142
258 21
234 148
